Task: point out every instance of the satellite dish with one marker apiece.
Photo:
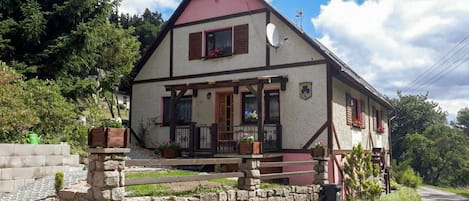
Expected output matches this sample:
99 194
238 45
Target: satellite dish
272 35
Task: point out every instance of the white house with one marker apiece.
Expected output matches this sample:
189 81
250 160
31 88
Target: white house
213 64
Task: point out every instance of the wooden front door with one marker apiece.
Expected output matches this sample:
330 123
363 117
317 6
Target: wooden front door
224 120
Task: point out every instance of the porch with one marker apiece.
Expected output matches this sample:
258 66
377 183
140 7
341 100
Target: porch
224 135
217 139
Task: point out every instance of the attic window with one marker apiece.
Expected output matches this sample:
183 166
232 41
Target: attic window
218 43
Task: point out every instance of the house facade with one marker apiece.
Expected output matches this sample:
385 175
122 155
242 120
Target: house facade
212 76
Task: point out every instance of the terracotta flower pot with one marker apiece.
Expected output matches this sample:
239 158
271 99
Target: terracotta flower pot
246 148
170 153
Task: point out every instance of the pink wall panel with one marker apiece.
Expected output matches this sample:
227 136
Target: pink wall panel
205 9
298 180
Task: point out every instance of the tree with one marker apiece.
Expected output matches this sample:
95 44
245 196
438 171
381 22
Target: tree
414 114
360 174
16 116
463 120
147 26
439 155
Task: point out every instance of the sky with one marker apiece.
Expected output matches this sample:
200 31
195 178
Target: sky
412 46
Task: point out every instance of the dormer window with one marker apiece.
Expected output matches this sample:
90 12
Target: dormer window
218 43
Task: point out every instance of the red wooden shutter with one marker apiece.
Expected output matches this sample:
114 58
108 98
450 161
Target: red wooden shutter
375 127
195 45
348 105
362 113
241 39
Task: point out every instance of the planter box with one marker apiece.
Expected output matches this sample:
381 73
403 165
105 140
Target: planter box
109 137
246 148
170 153
318 152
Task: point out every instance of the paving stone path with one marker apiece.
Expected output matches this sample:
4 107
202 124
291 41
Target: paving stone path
43 187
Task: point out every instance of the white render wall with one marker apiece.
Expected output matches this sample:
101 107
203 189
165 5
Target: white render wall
295 49
300 118
157 65
348 134
255 57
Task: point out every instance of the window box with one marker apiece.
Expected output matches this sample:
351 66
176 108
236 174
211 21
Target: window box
249 148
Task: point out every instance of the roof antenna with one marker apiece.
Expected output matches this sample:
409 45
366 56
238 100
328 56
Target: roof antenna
299 19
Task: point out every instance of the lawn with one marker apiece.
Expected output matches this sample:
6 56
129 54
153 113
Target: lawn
403 194
456 190
181 188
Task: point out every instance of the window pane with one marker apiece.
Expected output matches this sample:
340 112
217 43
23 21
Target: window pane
250 108
219 43
183 110
273 107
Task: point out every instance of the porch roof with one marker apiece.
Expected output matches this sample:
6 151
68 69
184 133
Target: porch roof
231 83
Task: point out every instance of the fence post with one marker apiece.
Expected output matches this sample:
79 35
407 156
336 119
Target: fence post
252 175
321 176
214 137
278 128
106 173
191 139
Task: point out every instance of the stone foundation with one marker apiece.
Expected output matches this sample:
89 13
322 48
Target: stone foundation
290 193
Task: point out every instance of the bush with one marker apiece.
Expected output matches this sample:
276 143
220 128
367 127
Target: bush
405 175
403 194
59 181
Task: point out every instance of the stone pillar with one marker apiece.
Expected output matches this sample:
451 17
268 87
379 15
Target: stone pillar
106 173
252 175
321 168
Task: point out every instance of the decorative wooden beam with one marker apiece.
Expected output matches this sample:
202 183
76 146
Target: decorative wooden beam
315 136
194 92
172 111
236 89
228 83
260 119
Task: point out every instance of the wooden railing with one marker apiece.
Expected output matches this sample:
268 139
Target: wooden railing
179 162
285 164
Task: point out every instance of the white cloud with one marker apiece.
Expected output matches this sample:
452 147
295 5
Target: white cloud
138 6
391 42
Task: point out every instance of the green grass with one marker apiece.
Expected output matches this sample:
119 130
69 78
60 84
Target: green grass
456 190
165 189
403 194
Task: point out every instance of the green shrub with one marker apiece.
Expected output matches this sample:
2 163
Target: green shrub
59 181
405 175
109 123
394 185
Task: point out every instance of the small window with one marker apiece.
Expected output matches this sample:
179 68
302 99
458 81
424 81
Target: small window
183 111
379 121
218 43
250 114
271 107
354 112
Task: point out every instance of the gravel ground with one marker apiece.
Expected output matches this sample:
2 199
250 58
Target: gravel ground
43 187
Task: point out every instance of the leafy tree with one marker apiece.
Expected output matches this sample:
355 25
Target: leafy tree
147 26
15 115
414 114
360 174
439 155
463 120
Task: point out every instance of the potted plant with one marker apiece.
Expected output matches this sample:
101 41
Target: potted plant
319 151
381 130
109 135
247 145
169 150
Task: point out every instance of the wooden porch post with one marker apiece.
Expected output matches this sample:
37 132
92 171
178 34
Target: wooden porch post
172 111
260 119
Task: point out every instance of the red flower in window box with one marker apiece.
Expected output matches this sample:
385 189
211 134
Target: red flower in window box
357 122
216 53
381 130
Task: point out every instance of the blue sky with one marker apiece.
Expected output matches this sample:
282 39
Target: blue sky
390 43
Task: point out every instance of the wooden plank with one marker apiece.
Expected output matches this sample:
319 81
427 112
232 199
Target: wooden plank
335 136
159 180
287 163
176 162
286 174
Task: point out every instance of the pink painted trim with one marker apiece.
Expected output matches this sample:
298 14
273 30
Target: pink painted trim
205 9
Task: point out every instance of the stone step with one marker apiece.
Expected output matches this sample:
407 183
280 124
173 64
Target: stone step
32 172
33 149
38 161
13 185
